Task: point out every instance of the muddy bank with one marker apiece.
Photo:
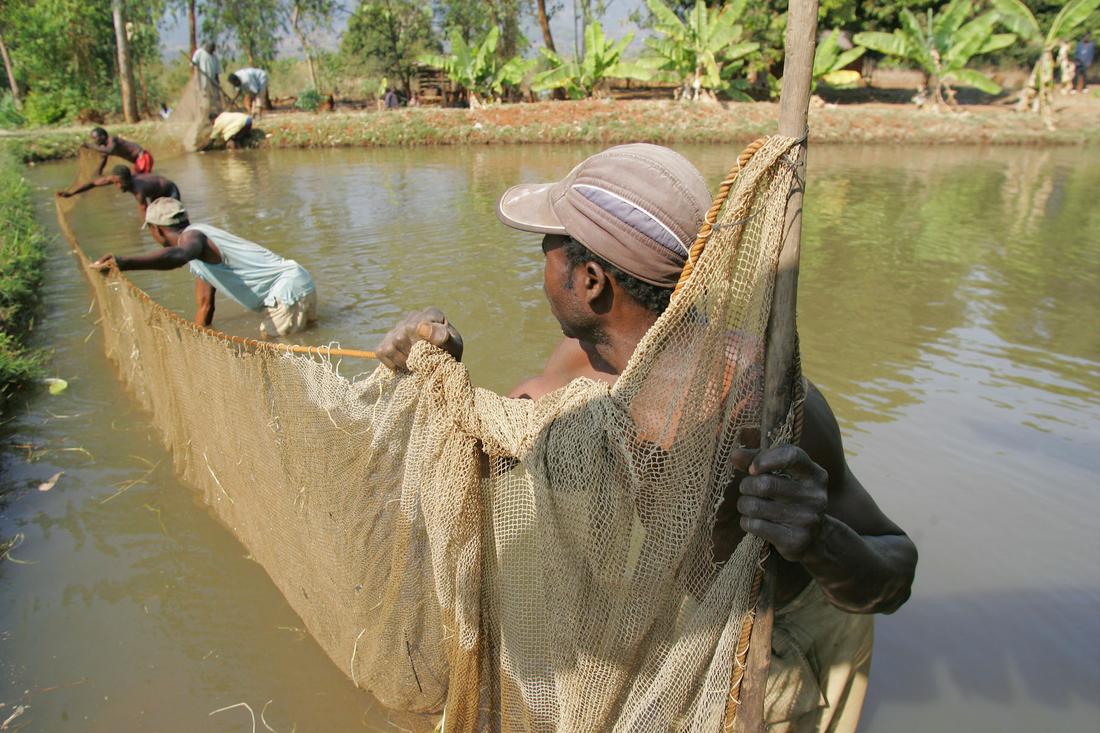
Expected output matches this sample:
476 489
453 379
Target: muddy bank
608 122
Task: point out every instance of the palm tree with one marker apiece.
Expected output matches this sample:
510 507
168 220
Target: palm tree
602 61
942 46
1018 18
699 51
476 68
829 59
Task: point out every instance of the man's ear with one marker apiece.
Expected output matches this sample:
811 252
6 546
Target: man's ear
595 280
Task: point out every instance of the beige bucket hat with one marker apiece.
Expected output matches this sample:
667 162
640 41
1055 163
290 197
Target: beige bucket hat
165 212
638 206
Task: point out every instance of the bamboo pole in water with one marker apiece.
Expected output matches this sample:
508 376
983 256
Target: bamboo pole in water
794 104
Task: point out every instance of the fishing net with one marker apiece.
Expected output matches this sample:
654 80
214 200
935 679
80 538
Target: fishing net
189 122
524 566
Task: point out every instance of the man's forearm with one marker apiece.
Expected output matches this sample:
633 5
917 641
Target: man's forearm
82 188
166 259
862 574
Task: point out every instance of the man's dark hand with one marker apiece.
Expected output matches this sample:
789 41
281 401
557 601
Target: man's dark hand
106 263
783 498
426 325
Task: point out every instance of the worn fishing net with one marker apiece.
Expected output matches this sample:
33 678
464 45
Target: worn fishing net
189 122
526 566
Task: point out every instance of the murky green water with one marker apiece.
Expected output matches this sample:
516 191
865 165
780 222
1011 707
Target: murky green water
949 310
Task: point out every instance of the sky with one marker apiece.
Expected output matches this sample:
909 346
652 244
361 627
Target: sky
616 23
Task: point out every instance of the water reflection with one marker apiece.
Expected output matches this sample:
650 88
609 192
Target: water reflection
992 240
948 309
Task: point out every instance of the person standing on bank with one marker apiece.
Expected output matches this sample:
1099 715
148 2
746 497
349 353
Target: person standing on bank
254 276
1083 56
208 66
252 83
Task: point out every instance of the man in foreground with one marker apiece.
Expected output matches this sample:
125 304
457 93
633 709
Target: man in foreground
257 278
108 145
616 235
146 187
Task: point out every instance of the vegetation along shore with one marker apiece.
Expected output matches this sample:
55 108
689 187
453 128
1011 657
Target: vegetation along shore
22 257
609 122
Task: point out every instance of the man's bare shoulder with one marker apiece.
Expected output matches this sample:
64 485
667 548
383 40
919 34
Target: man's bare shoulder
568 361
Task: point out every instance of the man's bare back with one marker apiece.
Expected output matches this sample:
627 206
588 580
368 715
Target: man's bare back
120 148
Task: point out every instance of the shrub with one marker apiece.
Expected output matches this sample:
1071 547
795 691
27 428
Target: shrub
10 117
22 256
308 101
47 108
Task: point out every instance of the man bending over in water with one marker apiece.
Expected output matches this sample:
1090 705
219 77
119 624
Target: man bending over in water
108 145
616 236
252 275
146 187
232 127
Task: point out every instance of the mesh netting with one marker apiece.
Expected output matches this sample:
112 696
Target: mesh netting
529 566
189 122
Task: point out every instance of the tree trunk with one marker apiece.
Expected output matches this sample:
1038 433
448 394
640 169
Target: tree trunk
191 27
11 74
295 17
544 24
125 72
505 15
146 106
578 35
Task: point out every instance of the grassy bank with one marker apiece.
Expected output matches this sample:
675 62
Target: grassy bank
22 257
608 122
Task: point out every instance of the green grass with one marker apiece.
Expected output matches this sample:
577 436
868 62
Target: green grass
22 258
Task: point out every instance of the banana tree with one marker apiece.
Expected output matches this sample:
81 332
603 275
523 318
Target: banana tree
476 68
700 52
830 60
942 46
1018 18
603 61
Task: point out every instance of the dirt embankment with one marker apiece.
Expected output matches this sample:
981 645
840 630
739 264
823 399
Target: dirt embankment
1077 122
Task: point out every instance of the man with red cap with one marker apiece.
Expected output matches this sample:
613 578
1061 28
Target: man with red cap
616 235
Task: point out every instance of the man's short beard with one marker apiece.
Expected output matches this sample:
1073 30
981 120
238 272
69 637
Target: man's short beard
589 331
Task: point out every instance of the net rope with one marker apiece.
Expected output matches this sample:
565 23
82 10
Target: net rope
526 566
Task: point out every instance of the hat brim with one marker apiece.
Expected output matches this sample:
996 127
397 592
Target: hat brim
527 207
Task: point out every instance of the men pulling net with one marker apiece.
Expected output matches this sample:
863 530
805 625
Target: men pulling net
526 565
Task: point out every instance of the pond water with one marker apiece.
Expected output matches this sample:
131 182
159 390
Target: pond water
949 310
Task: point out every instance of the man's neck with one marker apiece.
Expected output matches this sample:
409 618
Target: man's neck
611 353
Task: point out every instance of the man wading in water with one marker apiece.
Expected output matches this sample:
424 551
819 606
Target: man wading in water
108 145
146 187
252 275
617 232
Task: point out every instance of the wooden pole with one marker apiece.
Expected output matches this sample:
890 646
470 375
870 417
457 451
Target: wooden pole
794 105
